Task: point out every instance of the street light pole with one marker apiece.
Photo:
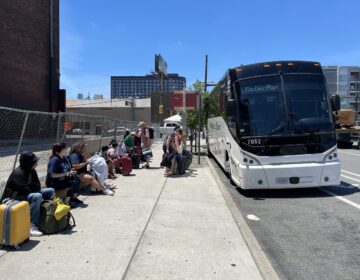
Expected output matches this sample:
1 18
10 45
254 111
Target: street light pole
356 100
200 105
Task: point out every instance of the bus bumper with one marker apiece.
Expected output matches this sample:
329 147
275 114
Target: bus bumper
283 176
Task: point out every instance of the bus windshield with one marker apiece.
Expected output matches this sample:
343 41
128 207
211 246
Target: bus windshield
263 111
309 108
262 108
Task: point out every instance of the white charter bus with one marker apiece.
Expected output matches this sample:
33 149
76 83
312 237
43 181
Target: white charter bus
274 127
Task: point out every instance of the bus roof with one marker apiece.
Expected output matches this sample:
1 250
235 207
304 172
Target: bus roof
274 67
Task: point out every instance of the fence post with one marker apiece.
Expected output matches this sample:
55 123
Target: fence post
101 132
58 128
21 138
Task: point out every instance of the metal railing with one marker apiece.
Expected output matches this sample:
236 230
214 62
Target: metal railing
36 132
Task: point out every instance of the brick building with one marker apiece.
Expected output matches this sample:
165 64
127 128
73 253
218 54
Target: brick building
29 55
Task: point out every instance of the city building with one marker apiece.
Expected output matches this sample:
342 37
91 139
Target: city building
143 86
164 105
29 55
80 96
120 109
344 81
98 96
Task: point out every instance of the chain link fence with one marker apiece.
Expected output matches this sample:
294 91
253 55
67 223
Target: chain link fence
37 131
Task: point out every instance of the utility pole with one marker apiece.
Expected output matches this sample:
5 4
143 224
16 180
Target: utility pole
200 105
356 99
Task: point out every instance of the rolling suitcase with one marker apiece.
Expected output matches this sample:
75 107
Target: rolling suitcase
126 164
135 159
188 158
178 165
181 166
14 222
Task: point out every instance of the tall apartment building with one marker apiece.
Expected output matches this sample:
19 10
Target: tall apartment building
29 55
143 86
344 81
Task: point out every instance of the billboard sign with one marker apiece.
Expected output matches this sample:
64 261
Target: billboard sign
160 65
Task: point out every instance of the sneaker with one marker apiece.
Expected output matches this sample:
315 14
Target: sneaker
34 231
107 191
109 186
76 200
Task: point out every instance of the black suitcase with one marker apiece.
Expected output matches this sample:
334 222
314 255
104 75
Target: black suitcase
188 158
181 165
135 159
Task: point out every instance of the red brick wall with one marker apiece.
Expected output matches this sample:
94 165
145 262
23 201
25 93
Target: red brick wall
25 55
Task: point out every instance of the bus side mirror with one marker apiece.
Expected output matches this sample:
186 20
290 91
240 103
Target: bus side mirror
231 107
335 102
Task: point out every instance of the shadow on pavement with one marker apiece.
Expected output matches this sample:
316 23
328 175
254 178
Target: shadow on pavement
23 247
343 189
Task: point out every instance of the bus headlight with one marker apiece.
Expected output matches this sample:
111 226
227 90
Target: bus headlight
332 156
247 160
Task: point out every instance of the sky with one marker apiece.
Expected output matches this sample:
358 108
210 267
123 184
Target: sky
99 39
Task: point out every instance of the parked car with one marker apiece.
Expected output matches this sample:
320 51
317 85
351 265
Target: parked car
168 127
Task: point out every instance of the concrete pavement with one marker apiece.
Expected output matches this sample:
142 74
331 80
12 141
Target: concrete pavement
153 228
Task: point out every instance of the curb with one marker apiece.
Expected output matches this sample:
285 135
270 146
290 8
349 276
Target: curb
265 267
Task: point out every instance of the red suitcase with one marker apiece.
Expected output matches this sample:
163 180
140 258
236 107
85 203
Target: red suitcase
137 150
126 165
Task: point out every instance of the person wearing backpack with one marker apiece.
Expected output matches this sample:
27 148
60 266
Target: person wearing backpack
23 184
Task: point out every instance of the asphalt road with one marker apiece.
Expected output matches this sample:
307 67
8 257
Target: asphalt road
308 233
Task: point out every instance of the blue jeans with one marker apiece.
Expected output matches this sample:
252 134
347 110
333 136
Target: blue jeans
35 200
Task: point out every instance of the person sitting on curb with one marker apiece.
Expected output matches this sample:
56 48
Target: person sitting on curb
78 153
59 174
23 184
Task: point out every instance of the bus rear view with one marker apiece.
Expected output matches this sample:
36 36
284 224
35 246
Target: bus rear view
275 126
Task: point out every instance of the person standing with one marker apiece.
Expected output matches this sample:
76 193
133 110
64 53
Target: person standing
144 135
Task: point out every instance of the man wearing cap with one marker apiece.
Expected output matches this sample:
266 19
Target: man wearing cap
24 184
144 135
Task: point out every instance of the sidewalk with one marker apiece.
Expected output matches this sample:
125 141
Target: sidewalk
153 228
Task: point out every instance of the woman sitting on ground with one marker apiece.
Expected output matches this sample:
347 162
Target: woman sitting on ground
59 174
113 155
109 162
78 154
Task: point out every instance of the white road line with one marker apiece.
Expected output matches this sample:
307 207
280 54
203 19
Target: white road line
341 198
350 173
351 178
341 152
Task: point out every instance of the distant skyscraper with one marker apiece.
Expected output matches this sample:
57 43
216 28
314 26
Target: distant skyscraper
98 96
344 81
143 86
80 96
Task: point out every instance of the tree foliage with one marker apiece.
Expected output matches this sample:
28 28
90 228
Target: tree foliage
210 107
